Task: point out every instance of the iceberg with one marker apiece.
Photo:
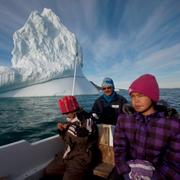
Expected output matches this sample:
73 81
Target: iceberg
44 58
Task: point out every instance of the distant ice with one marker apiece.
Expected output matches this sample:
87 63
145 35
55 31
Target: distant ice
44 51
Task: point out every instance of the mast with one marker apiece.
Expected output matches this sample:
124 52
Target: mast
74 78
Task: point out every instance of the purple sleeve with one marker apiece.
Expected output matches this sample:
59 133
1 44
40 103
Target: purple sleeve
120 148
171 163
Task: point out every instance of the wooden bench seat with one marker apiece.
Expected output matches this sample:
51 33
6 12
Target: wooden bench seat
106 165
103 170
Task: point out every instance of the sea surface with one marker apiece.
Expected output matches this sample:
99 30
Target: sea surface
36 118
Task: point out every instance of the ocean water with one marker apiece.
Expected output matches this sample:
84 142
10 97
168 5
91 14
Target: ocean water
36 118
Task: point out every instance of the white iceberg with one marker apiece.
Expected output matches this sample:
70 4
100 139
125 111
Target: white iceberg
44 58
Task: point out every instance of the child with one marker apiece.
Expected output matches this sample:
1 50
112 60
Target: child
80 137
147 136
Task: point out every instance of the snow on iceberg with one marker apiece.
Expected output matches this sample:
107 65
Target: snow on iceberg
43 60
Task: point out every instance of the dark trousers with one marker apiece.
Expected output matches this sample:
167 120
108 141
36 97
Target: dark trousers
115 176
67 170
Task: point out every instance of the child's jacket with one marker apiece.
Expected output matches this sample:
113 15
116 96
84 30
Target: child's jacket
154 138
80 139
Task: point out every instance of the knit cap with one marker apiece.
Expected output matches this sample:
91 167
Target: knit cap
108 82
146 85
68 104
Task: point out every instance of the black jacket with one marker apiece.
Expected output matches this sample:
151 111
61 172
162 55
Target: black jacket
107 113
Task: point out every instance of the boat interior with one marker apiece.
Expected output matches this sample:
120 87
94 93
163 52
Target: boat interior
26 161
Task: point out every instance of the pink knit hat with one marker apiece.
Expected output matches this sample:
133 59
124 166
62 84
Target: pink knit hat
147 85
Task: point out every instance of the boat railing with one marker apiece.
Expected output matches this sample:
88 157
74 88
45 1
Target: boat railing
21 159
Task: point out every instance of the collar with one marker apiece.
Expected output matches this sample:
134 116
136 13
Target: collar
141 117
110 98
72 120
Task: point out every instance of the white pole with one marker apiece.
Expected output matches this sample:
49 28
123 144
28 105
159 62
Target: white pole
74 78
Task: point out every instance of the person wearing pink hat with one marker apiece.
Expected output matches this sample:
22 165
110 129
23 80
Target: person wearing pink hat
146 136
80 138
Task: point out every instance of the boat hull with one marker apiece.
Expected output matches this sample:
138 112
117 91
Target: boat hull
21 159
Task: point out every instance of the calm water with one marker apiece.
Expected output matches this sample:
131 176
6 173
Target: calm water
33 119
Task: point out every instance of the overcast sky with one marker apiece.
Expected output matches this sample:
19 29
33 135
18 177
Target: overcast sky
121 39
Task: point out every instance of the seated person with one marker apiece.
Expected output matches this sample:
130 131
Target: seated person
147 136
80 137
108 106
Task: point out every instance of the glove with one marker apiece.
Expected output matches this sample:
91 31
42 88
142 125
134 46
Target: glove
140 170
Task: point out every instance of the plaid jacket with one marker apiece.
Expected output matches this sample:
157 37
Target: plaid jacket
153 138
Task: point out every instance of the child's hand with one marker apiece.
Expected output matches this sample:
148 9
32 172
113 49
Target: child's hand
65 126
61 126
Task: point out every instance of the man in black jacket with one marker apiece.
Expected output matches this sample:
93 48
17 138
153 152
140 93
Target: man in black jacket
107 107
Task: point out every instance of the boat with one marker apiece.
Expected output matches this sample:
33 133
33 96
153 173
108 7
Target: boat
22 160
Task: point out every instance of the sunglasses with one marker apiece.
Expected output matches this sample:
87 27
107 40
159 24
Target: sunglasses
104 88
